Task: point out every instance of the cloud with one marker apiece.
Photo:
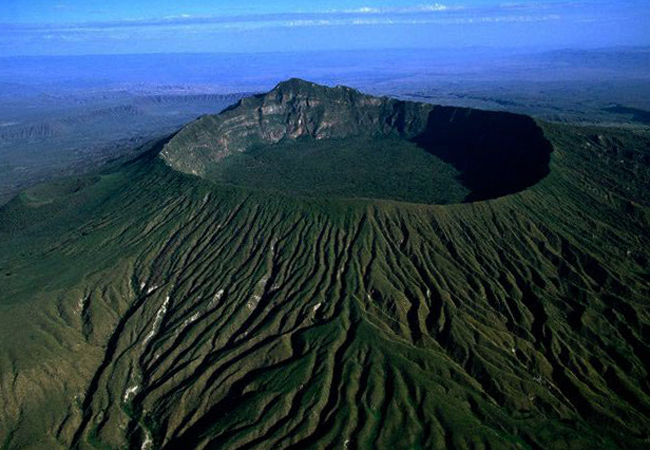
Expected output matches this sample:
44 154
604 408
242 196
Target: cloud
435 7
363 10
178 17
88 32
424 14
430 8
444 18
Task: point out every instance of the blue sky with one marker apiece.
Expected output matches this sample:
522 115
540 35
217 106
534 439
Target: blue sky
35 27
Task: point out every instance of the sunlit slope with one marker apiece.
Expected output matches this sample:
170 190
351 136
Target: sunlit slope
146 308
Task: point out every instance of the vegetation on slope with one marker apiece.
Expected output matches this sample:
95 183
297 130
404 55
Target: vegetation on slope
146 308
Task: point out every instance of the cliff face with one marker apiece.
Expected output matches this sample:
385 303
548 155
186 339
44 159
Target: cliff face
295 109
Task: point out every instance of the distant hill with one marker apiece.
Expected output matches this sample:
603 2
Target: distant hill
74 133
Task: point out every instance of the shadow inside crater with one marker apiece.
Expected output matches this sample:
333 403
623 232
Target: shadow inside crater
496 153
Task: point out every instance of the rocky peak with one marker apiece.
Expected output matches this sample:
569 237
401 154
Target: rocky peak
297 87
294 109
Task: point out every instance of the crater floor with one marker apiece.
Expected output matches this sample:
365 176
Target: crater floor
392 169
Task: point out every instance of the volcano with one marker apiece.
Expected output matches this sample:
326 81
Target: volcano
319 268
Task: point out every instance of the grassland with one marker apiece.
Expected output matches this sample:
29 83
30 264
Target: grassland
345 168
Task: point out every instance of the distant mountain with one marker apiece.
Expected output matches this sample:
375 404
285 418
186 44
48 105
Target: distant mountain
58 135
344 272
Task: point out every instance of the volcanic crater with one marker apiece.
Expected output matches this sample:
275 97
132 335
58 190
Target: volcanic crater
310 140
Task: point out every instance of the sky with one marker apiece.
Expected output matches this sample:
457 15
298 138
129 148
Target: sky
79 27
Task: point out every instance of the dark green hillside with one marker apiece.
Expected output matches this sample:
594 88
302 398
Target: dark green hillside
147 308
637 115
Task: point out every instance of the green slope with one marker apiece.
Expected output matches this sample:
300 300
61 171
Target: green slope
147 308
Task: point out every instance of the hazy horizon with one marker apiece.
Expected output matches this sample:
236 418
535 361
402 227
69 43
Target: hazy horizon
514 50
42 28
